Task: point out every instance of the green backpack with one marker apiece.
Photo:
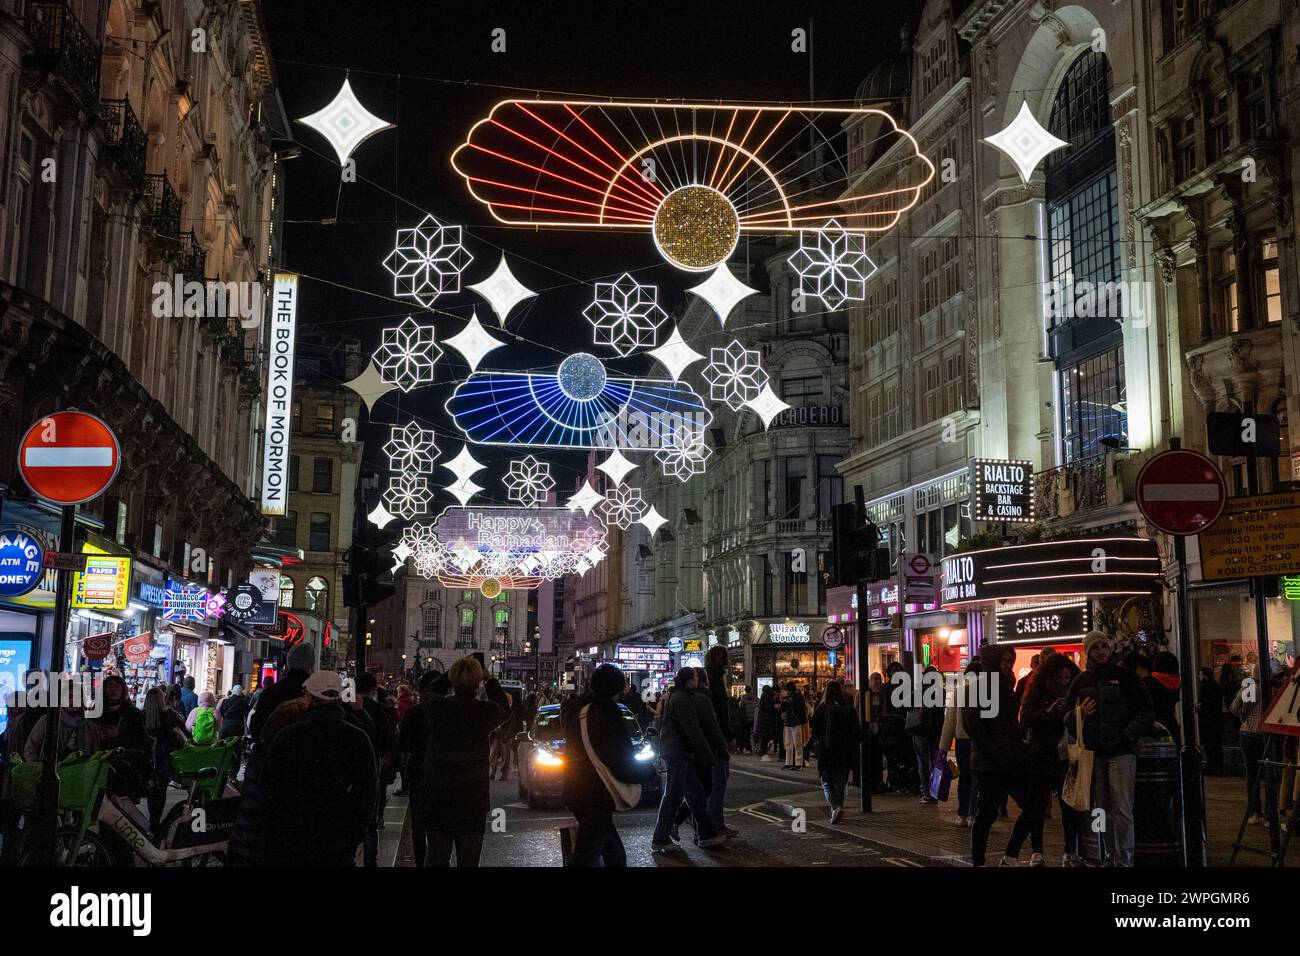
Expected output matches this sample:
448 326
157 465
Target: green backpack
205 726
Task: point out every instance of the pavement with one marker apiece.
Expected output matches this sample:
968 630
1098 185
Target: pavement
783 820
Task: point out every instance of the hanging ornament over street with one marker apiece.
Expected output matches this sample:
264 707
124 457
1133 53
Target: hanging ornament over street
528 480
473 342
586 498
407 495
623 506
427 261
626 315
370 385
464 490
1025 142
502 290
734 375
618 467
687 456
832 265
411 449
464 465
345 123
380 516
766 405
675 355
407 354
722 291
652 520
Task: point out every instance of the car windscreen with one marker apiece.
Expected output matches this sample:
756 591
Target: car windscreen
547 727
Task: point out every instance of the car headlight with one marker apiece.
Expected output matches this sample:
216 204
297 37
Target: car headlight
646 753
547 759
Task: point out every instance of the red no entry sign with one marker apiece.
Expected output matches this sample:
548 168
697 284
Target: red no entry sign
1180 492
69 457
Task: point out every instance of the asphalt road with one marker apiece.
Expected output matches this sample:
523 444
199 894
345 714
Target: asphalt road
523 837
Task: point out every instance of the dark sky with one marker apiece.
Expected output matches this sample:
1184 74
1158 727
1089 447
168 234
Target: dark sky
428 67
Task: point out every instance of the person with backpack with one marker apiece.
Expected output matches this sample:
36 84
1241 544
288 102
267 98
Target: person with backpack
204 723
835 728
233 713
794 714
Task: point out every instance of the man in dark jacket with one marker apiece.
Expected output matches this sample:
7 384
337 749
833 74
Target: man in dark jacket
997 749
715 671
413 741
299 664
234 712
319 783
585 791
835 727
685 748
1116 713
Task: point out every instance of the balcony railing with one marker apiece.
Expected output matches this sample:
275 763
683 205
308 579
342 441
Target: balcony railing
192 261
163 216
1078 486
125 143
60 44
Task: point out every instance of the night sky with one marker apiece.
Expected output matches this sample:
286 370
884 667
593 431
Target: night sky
428 67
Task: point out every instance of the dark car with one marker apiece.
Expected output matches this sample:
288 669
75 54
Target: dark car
542 760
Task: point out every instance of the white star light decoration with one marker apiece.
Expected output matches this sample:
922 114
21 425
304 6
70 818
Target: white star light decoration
625 315
675 355
427 261
411 449
766 405
832 265
528 480
617 467
623 506
407 496
652 520
473 342
407 354
502 290
734 375
586 499
380 516
1025 142
463 466
722 290
345 123
370 385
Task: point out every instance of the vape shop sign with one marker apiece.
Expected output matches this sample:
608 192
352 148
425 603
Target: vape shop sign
1003 489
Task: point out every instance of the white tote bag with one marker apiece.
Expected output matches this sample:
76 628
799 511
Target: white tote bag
626 795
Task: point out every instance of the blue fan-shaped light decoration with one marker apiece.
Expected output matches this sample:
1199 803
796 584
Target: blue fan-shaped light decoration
540 410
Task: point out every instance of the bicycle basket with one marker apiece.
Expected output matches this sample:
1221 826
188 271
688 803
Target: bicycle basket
82 780
193 759
23 778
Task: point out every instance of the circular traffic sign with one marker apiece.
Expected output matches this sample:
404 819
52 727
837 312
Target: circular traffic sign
920 563
69 458
832 637
1181 492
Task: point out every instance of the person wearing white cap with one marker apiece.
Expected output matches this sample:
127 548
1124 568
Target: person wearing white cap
319 783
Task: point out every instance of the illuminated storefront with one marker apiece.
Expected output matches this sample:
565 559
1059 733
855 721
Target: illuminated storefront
792 650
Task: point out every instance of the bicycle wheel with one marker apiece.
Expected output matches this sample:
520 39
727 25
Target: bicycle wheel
92 851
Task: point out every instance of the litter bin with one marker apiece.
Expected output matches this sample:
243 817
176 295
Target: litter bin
1157 803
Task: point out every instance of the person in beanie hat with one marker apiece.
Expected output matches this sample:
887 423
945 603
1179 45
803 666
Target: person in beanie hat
595 731
1117 712
299 663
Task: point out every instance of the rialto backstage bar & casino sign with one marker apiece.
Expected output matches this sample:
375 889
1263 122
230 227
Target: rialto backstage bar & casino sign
279 395
1003 490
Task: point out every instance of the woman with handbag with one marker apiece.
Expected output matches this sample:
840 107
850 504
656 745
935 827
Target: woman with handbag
603 777
1041 711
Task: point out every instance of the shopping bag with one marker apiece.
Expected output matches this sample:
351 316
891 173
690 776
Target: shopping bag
1077 790
940 777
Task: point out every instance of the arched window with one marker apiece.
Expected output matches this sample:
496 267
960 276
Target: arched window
287 589
318 596
1085 298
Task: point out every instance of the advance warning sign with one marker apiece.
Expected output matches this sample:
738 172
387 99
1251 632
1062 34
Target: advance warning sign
1255 536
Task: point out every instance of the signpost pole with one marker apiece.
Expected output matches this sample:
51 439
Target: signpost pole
862 669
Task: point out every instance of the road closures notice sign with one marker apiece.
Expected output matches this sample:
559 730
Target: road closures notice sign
1180 492
1257 536
69 458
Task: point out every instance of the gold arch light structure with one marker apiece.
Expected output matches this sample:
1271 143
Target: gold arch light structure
696 176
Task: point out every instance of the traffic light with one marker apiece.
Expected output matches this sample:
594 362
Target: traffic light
856 547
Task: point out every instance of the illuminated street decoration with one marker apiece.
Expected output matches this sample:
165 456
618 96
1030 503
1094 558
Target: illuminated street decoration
511 543
1025 142
686 457
380 516
625 315
407 354
586 498
502 290
832 265
722 291
652 520
581 377
464 465
473 342
345 123
734 375
623 506
532 410
695 176
427 261
464 490
490 588
528 480
617 467
411 449
675 355
407 495
766 405
370 385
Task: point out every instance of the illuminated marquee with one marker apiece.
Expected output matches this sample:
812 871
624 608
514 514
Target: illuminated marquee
1003 490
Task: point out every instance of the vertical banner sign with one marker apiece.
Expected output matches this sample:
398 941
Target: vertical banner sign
279 395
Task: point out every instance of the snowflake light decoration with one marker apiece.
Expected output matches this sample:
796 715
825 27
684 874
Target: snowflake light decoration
832 265
502 290
411 449
734 375
407 354
407 496
686 457
623 506
528 480
427 261
345 123
1025 142
626 315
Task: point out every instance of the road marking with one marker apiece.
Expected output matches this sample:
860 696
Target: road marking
901 861
768 776
751 811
